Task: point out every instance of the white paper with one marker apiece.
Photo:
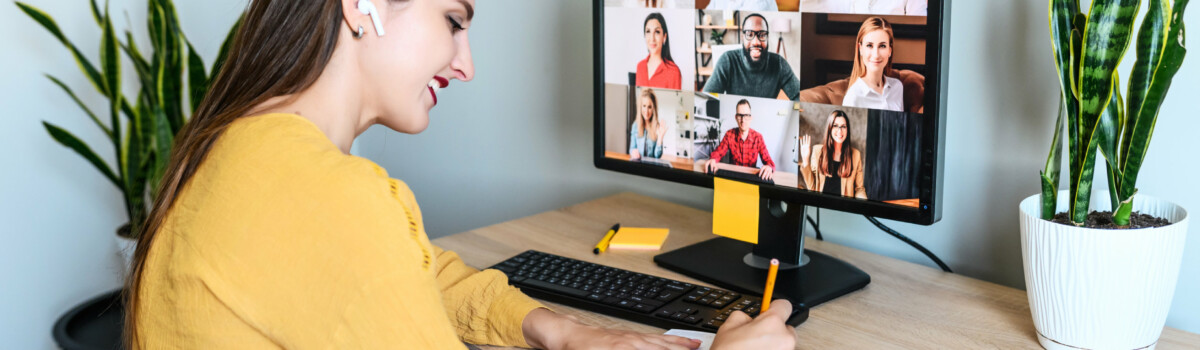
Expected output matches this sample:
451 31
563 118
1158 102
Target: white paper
705 338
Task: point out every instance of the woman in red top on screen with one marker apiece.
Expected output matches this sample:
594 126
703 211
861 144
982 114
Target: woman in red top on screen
743 145
658 70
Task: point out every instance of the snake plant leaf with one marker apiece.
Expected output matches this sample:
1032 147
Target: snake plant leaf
82 106
1151 41
65 138
110 61
197 77
47 22
1105 39
1108 131
1062 12
1107 135
1143 120
1050 174
164 137
96 14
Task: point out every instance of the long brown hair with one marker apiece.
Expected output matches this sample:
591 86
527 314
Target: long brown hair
843 171
280 49
868 26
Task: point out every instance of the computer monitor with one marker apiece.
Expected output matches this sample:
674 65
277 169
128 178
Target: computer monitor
836 104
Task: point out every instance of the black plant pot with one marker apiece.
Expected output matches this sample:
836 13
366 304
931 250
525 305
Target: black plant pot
94 325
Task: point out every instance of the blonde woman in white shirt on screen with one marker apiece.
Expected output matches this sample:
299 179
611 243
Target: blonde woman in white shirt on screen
874 7
871 81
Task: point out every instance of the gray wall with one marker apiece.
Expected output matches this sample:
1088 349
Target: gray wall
534 86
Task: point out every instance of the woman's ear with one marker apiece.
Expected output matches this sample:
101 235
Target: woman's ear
364 14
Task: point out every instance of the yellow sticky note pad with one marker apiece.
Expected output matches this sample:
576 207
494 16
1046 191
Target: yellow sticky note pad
639 238
735 210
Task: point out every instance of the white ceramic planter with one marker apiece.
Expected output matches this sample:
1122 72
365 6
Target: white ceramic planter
1101 289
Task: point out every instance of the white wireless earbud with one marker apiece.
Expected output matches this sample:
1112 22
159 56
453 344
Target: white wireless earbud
366 7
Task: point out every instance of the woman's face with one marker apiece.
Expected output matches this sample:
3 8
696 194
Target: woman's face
425 45
654 37
647 109
875 51
839 130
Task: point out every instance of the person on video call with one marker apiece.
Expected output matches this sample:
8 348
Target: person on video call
743 145
268 234
871 82
754 71
658 69
838 164
743 5
874 7
646 135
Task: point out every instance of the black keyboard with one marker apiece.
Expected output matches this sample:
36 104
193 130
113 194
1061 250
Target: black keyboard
736 175
629 295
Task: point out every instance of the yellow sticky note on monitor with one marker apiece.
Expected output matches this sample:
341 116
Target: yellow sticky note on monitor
735 210
639 238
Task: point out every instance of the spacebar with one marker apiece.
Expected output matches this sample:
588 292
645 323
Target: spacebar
555 288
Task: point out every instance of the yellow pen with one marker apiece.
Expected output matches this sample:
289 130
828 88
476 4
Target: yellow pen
603 245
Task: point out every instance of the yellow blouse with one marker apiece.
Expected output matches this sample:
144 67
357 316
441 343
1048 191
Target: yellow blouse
280 240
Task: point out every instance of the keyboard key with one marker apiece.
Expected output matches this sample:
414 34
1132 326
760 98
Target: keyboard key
690 310
643 308
611 300
679 316
692 320
664 313
714 324
556 288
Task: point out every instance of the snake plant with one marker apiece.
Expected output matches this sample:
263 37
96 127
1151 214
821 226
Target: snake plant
1099 118
142 138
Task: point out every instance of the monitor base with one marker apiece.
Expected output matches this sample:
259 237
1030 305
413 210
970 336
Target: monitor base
720 261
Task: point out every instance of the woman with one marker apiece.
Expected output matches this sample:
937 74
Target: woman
838 163
646 134
266 234
871 82
657 70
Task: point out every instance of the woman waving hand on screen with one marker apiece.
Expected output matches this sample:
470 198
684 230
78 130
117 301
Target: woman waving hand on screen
266 234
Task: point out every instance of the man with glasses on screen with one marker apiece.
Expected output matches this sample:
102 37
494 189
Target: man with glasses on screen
754 71
743 145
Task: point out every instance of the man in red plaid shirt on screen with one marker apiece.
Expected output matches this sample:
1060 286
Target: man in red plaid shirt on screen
744 145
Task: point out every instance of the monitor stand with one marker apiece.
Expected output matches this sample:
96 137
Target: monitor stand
807 278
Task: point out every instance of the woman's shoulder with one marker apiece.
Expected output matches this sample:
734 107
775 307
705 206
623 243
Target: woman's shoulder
284 149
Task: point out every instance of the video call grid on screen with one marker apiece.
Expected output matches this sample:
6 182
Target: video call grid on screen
762 91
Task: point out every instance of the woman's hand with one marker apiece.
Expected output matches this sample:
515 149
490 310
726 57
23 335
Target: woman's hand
805 149
711 165
545 329
767 332
662 131
635 155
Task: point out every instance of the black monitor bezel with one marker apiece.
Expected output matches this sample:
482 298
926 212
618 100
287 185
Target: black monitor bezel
932 143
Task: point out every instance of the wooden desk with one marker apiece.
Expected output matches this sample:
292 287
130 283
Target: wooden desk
905 306
676 162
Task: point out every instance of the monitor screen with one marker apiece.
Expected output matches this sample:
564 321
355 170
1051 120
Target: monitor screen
831 103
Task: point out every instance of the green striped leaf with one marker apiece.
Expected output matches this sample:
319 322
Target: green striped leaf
1050 174
1105 39
96 14
65 138
85 65
82 106
1143 120
110 60
197 77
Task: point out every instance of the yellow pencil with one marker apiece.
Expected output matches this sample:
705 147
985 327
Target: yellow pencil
766 303
603 245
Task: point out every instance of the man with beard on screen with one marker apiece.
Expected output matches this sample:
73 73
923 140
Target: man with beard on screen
754 71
